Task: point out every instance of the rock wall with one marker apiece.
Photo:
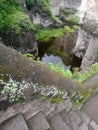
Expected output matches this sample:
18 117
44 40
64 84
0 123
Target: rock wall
20 67
55 7
25 42
87 42
57 4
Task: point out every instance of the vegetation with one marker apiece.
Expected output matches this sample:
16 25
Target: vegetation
60 69
46 35
41 6
77 76
73 19
13 17
81 77
14 89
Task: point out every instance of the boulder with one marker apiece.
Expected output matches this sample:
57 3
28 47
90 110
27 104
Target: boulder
24 42
20 67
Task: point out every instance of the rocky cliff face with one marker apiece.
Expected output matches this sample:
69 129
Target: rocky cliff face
68 4
41 17
24 42
87 45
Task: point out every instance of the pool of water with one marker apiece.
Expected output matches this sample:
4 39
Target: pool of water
54 59
48 52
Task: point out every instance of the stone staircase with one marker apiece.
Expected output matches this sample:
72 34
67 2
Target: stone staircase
43 115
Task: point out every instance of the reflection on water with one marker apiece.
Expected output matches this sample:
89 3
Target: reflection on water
54 59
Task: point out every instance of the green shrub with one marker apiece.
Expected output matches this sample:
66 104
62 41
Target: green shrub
60 69
81 77
46 35
13 17
30 4
19 22
73 18
76 27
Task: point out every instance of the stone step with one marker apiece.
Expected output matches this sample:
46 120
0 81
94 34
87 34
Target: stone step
76 120
38 122
91 108
27 109
93 125
56 121
65 105
71 118
16 123
83 116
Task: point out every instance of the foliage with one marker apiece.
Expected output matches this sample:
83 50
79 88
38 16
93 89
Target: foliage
60 69
31 56
13 17
20 22
14 89
46 35
41 6
81 77
72 18
76 27
30 3
77 76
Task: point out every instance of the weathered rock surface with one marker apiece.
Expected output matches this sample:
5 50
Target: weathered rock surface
86 46
43 115
91 108
92 81
38 122
24 42
57 4
66 43
90 56
16 123
42 17
20 67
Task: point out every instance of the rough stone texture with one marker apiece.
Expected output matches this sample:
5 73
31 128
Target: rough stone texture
92 82
90 128
38 122
40 115
27 109
34 114
25 42
74 117
94 125
66 118
16 123
83 127
91 18
82 43
91 108
20 67
66 43
56 121
57 4
83 116
91 53
87 45
65 105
